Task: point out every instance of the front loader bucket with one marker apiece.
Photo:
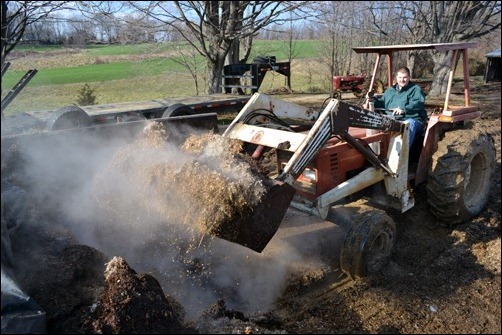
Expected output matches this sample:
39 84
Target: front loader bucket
256 227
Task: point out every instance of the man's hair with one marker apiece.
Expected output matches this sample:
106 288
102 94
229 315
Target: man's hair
404 69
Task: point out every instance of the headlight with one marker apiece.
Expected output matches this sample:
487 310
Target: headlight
309 174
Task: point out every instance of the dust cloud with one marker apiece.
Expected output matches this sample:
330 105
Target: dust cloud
150 199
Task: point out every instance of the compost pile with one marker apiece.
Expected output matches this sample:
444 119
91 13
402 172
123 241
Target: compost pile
139 262
211 176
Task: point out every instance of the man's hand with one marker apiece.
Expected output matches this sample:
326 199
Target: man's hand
369 97
398 111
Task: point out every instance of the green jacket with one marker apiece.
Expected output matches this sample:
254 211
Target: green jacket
411 99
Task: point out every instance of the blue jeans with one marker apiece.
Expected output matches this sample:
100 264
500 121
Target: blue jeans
416 127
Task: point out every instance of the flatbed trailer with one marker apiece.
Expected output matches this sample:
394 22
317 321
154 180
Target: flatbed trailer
85 116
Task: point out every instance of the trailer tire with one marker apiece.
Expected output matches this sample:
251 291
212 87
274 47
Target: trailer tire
68 117
368 244
461 173
177 110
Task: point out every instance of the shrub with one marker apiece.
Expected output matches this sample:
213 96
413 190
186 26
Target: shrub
86 96
100 60
316 89
476 67
424 65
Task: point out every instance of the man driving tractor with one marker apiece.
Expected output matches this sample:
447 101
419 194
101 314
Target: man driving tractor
404 101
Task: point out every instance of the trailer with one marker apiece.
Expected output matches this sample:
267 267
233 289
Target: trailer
86 116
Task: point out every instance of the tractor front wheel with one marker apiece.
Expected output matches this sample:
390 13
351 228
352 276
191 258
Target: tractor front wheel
368 244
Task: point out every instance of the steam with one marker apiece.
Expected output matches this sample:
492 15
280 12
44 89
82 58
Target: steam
102 188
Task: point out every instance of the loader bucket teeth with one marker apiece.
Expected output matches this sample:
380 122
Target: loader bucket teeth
255 228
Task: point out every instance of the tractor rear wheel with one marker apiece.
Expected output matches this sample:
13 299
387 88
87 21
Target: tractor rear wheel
368 244
460 176
68 117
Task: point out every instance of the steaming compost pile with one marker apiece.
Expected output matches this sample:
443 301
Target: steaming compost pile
134 255
209 174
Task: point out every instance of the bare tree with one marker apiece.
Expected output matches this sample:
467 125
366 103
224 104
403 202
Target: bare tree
339 26
212 27
107 26
45 31
187 57
17 15
136 30
80 32
291 45
443 22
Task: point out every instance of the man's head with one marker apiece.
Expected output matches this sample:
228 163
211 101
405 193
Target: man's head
403 76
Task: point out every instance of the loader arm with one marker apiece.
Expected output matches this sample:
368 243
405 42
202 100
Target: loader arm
336 120
346 116
393 171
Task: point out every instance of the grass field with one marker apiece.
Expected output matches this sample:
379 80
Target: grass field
135 72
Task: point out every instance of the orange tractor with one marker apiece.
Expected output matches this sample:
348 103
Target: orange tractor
330 156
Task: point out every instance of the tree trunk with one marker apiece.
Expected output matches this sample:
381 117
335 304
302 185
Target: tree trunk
410 63
442 62
233 54
214 76
233 58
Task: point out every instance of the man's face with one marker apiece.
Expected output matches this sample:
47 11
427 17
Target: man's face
402 79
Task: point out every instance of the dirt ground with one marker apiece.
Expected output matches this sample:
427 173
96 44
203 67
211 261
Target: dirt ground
440 279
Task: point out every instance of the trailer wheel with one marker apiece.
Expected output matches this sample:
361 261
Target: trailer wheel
68 117
177 110
368 244
461 173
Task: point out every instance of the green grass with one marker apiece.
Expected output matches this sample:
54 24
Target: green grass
122 81
94 73
61 76
302 49
124 70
